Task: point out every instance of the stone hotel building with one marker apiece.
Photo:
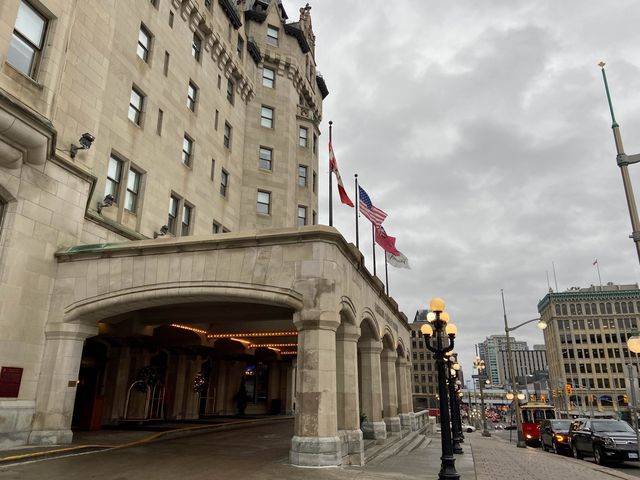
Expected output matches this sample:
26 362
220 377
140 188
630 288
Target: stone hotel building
159 246
586 342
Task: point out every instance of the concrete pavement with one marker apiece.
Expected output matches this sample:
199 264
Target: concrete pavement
260 451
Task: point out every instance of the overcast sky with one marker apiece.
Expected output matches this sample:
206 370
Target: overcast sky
482 129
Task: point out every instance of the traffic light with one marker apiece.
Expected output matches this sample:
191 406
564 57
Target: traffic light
567 388
543 398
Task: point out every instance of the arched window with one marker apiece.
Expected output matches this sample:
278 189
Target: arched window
557 309
587 309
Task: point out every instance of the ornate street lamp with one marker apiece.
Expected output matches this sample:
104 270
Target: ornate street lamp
478 364
437 322
512 367
456 421
633 343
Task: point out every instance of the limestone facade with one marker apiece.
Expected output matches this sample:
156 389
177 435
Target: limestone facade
199 111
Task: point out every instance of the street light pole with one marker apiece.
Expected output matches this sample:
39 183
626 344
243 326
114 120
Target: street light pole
479 365
436 323
456 423
623 160
512 367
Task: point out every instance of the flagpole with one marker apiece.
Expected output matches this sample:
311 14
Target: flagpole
386 273
357 202
330 181
373 244
598 267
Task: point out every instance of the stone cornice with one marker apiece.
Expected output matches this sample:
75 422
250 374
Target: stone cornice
288 236
588 297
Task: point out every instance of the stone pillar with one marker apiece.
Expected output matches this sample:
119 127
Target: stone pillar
347 389
58 381
273 389
191 397
373 427
315 441
403 399
291 387
390 391
118 375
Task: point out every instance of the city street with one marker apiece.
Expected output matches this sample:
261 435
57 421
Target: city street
538 457
261 452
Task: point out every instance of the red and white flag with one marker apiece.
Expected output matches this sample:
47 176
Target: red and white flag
333 167
387 242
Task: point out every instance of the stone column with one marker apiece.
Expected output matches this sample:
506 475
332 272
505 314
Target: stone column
373 427
315 441
59 372
403 400
273 390
390 391
119 367
347 388
412 415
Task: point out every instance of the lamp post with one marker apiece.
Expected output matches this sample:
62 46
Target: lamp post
633 343
456 421
478 364
437 322
512 367
623 160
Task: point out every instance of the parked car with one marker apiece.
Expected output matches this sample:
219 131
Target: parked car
606 440
554 435
468 428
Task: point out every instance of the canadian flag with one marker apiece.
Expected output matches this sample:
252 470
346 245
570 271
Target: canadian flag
333 167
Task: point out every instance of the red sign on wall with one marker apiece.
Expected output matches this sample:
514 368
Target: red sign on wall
10 378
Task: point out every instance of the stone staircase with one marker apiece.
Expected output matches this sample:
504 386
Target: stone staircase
395 445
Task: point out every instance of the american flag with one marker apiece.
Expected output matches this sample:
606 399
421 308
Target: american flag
375 215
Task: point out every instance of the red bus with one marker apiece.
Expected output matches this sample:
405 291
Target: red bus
532 415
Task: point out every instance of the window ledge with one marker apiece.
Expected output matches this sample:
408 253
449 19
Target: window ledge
22 76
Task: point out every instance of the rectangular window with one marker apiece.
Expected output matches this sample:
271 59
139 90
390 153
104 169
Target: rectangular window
187 150
133 189
303 134
136 103
174 203
196 47
268 77
302 216
192 96
213 169
266 117
315 215
315 182
227 135
266 156
272 35
27 41
187 213
230 88
315 143
302 175
224 183
165 67
171 18
144 43
264 202
114 177
215 227
159 124
240 46
215 120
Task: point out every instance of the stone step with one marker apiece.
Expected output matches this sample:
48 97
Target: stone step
395 445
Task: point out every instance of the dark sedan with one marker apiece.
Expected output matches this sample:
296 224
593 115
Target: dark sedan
607 441
554 435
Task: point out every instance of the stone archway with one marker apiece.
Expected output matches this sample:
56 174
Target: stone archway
388 358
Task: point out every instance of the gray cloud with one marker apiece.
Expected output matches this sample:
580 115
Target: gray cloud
482 129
